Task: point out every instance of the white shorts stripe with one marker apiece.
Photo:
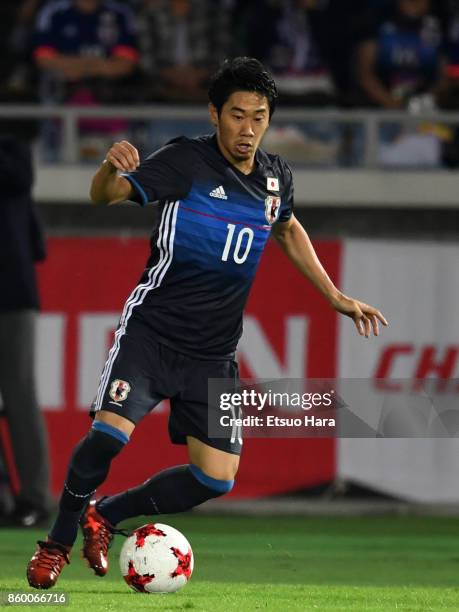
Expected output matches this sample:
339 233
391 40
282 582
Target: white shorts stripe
132 299
165 244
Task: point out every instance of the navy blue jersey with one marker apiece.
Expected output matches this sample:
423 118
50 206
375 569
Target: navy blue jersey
212 225
106 32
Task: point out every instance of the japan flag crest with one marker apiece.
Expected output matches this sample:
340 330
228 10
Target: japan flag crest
272 208
119 390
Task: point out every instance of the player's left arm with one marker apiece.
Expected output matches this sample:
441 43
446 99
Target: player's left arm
295 243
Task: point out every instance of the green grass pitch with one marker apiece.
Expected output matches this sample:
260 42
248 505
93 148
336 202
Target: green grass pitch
283 563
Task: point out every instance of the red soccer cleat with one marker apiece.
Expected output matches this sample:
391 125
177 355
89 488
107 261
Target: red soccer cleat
97 536
46 565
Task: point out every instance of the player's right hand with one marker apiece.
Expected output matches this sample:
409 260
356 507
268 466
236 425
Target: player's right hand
123 156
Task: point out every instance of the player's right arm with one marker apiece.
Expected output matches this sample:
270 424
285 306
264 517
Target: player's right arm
107 186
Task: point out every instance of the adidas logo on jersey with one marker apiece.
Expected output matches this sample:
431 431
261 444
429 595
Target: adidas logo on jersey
218 192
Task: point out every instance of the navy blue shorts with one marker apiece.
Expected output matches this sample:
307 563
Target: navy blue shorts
140 373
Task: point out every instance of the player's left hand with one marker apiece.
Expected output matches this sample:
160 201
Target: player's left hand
364 316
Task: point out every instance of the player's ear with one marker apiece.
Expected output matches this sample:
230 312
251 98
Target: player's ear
213 113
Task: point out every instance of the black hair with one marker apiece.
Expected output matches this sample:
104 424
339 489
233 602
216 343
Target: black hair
242 74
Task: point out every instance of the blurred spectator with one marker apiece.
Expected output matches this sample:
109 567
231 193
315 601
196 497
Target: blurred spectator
279 33
401 58
9 57
86 50
401 65
335 24
449 98
85 45
22 77
22 245
182 42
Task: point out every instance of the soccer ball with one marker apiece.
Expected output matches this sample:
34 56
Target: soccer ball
156 559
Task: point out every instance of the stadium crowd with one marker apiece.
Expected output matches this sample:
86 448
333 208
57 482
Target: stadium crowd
380 53
351 54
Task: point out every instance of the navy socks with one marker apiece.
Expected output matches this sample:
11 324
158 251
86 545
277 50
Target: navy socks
173 490
89 467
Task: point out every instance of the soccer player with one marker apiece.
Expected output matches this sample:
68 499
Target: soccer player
217 198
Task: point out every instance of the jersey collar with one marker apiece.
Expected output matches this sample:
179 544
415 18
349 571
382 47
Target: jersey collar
257 165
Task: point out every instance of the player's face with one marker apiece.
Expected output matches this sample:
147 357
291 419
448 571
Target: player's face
241 125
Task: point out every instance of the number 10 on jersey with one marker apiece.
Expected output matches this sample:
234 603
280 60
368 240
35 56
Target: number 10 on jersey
243 243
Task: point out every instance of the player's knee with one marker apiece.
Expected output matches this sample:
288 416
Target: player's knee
228 469
111 433
225 470
115 420
219 486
